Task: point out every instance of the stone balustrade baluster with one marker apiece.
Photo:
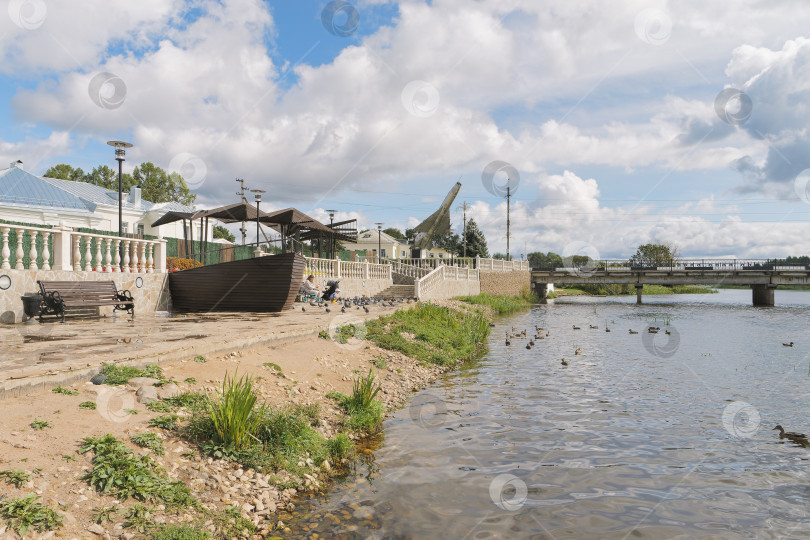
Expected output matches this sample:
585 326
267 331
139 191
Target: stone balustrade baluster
117 247
108 256
6 253
99 261
32 253
88 260
126 268
20 253
142 257
150 262
46 253
77 253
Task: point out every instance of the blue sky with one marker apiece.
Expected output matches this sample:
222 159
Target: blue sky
608 111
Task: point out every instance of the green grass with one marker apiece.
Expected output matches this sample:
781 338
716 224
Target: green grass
117 374
166 421
120 473
181 532
379 362
275 367
340 447
130 411
65 391
17 477
502 305
88 405
38 424
233 412
139 517
440 335
200 359
159 406
188 400
24 513
149 440
104 513
364 412
190 380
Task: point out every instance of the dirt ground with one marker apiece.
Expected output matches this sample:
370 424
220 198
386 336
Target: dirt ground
310 369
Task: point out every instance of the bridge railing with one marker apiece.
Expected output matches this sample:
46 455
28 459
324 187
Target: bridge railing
728 265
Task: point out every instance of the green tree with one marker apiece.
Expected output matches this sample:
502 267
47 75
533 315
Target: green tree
392 231
157 186
655 255
63 171
548 260
499 256
476 242
222 232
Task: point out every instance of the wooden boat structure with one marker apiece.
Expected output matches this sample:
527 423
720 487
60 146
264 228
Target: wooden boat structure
264 283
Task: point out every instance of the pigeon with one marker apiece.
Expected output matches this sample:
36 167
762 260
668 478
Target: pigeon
328 310
343 309
366 309
303 308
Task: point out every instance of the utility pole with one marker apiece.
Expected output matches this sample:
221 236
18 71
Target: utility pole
241 193
508 224
464 229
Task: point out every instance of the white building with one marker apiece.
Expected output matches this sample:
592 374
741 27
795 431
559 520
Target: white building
27 198
390 247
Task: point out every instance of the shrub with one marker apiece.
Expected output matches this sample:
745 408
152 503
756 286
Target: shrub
65 391
166 421
89 405
149 440
179 263
18 477
340 447
181 532
117 374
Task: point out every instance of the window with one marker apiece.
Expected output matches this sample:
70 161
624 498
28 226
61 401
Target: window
140 229
124 227
441 255
403 252
382 252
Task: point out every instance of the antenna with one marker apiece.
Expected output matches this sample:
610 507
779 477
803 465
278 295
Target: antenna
464 228
241 193
508 223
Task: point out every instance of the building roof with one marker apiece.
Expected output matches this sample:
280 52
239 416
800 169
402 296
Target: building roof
20 187
371 237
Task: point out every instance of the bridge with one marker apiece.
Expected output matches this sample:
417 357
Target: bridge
762 275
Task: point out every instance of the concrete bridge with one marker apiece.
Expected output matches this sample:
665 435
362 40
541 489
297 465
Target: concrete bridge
762 275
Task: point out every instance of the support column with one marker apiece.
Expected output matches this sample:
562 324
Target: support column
541 290
763 294
639 288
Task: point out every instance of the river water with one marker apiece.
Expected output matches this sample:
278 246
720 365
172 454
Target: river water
640 436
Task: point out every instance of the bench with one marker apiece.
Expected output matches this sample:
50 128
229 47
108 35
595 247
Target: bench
58 296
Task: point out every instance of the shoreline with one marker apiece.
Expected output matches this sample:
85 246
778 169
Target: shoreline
300 373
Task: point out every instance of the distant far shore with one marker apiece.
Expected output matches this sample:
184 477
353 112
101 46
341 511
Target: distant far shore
627 290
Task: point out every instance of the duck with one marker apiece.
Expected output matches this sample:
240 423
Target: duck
788 344
508 342
667 332
528 346
531 342
607 329
800 438
652 330
548 333
576 327
578 350
633 331
564 362
593 327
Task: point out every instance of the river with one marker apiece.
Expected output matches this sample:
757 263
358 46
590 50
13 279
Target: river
640 436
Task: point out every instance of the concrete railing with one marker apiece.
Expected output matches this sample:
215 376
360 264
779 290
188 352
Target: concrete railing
500 265
62 248
409 270
346 269
489 265
439 276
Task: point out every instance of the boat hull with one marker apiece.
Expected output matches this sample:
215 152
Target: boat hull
261 284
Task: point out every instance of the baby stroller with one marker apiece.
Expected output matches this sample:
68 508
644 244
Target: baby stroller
333 286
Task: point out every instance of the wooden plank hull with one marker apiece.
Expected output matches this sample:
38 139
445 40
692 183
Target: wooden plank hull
261 284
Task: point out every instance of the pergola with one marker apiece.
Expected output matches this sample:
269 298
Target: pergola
289 222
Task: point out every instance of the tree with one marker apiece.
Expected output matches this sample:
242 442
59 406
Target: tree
499 256
476 242
394 232
549 260
222 232
157 186
655 255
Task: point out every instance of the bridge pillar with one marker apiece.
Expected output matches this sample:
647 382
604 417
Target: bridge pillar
638 293
763 294
541 290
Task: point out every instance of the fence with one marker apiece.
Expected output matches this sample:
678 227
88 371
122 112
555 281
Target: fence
439 277
345 269
489 265
624 265
61 248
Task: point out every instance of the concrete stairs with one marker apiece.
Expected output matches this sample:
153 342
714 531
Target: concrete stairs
397 291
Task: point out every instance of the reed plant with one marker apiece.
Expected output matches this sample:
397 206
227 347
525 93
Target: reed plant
234 414
502 305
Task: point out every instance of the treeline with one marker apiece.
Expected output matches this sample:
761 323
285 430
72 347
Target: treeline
156 184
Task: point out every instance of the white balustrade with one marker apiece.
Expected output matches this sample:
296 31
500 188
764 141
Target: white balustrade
19 265
99 262
46 253
117 248
108 256
32 253
126 267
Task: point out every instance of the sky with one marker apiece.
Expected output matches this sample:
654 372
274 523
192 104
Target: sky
615 124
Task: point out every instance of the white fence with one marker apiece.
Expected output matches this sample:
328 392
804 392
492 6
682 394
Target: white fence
409 270
62 248
346 269
440 278
487 265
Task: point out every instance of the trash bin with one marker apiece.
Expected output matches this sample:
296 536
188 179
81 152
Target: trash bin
32 305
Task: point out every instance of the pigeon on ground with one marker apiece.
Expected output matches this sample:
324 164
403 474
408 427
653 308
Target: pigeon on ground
366 309
303 308
328 310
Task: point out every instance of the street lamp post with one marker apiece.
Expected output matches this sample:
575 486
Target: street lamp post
257 193
120 152
379 242
332 234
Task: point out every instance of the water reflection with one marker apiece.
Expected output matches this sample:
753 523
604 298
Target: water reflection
640 436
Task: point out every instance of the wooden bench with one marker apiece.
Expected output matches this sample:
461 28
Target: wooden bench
58 296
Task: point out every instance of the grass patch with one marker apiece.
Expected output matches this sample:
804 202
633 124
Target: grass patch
166 421
139 517
17 477
130 411
65 391
323 334
340 447
190 380
187 400
159 406
364 412
88 405
122 474
440 335
274 367
104 513
233 412
149 440
24 513
200 359
502 305
181 532
38 424
121 374
379 362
